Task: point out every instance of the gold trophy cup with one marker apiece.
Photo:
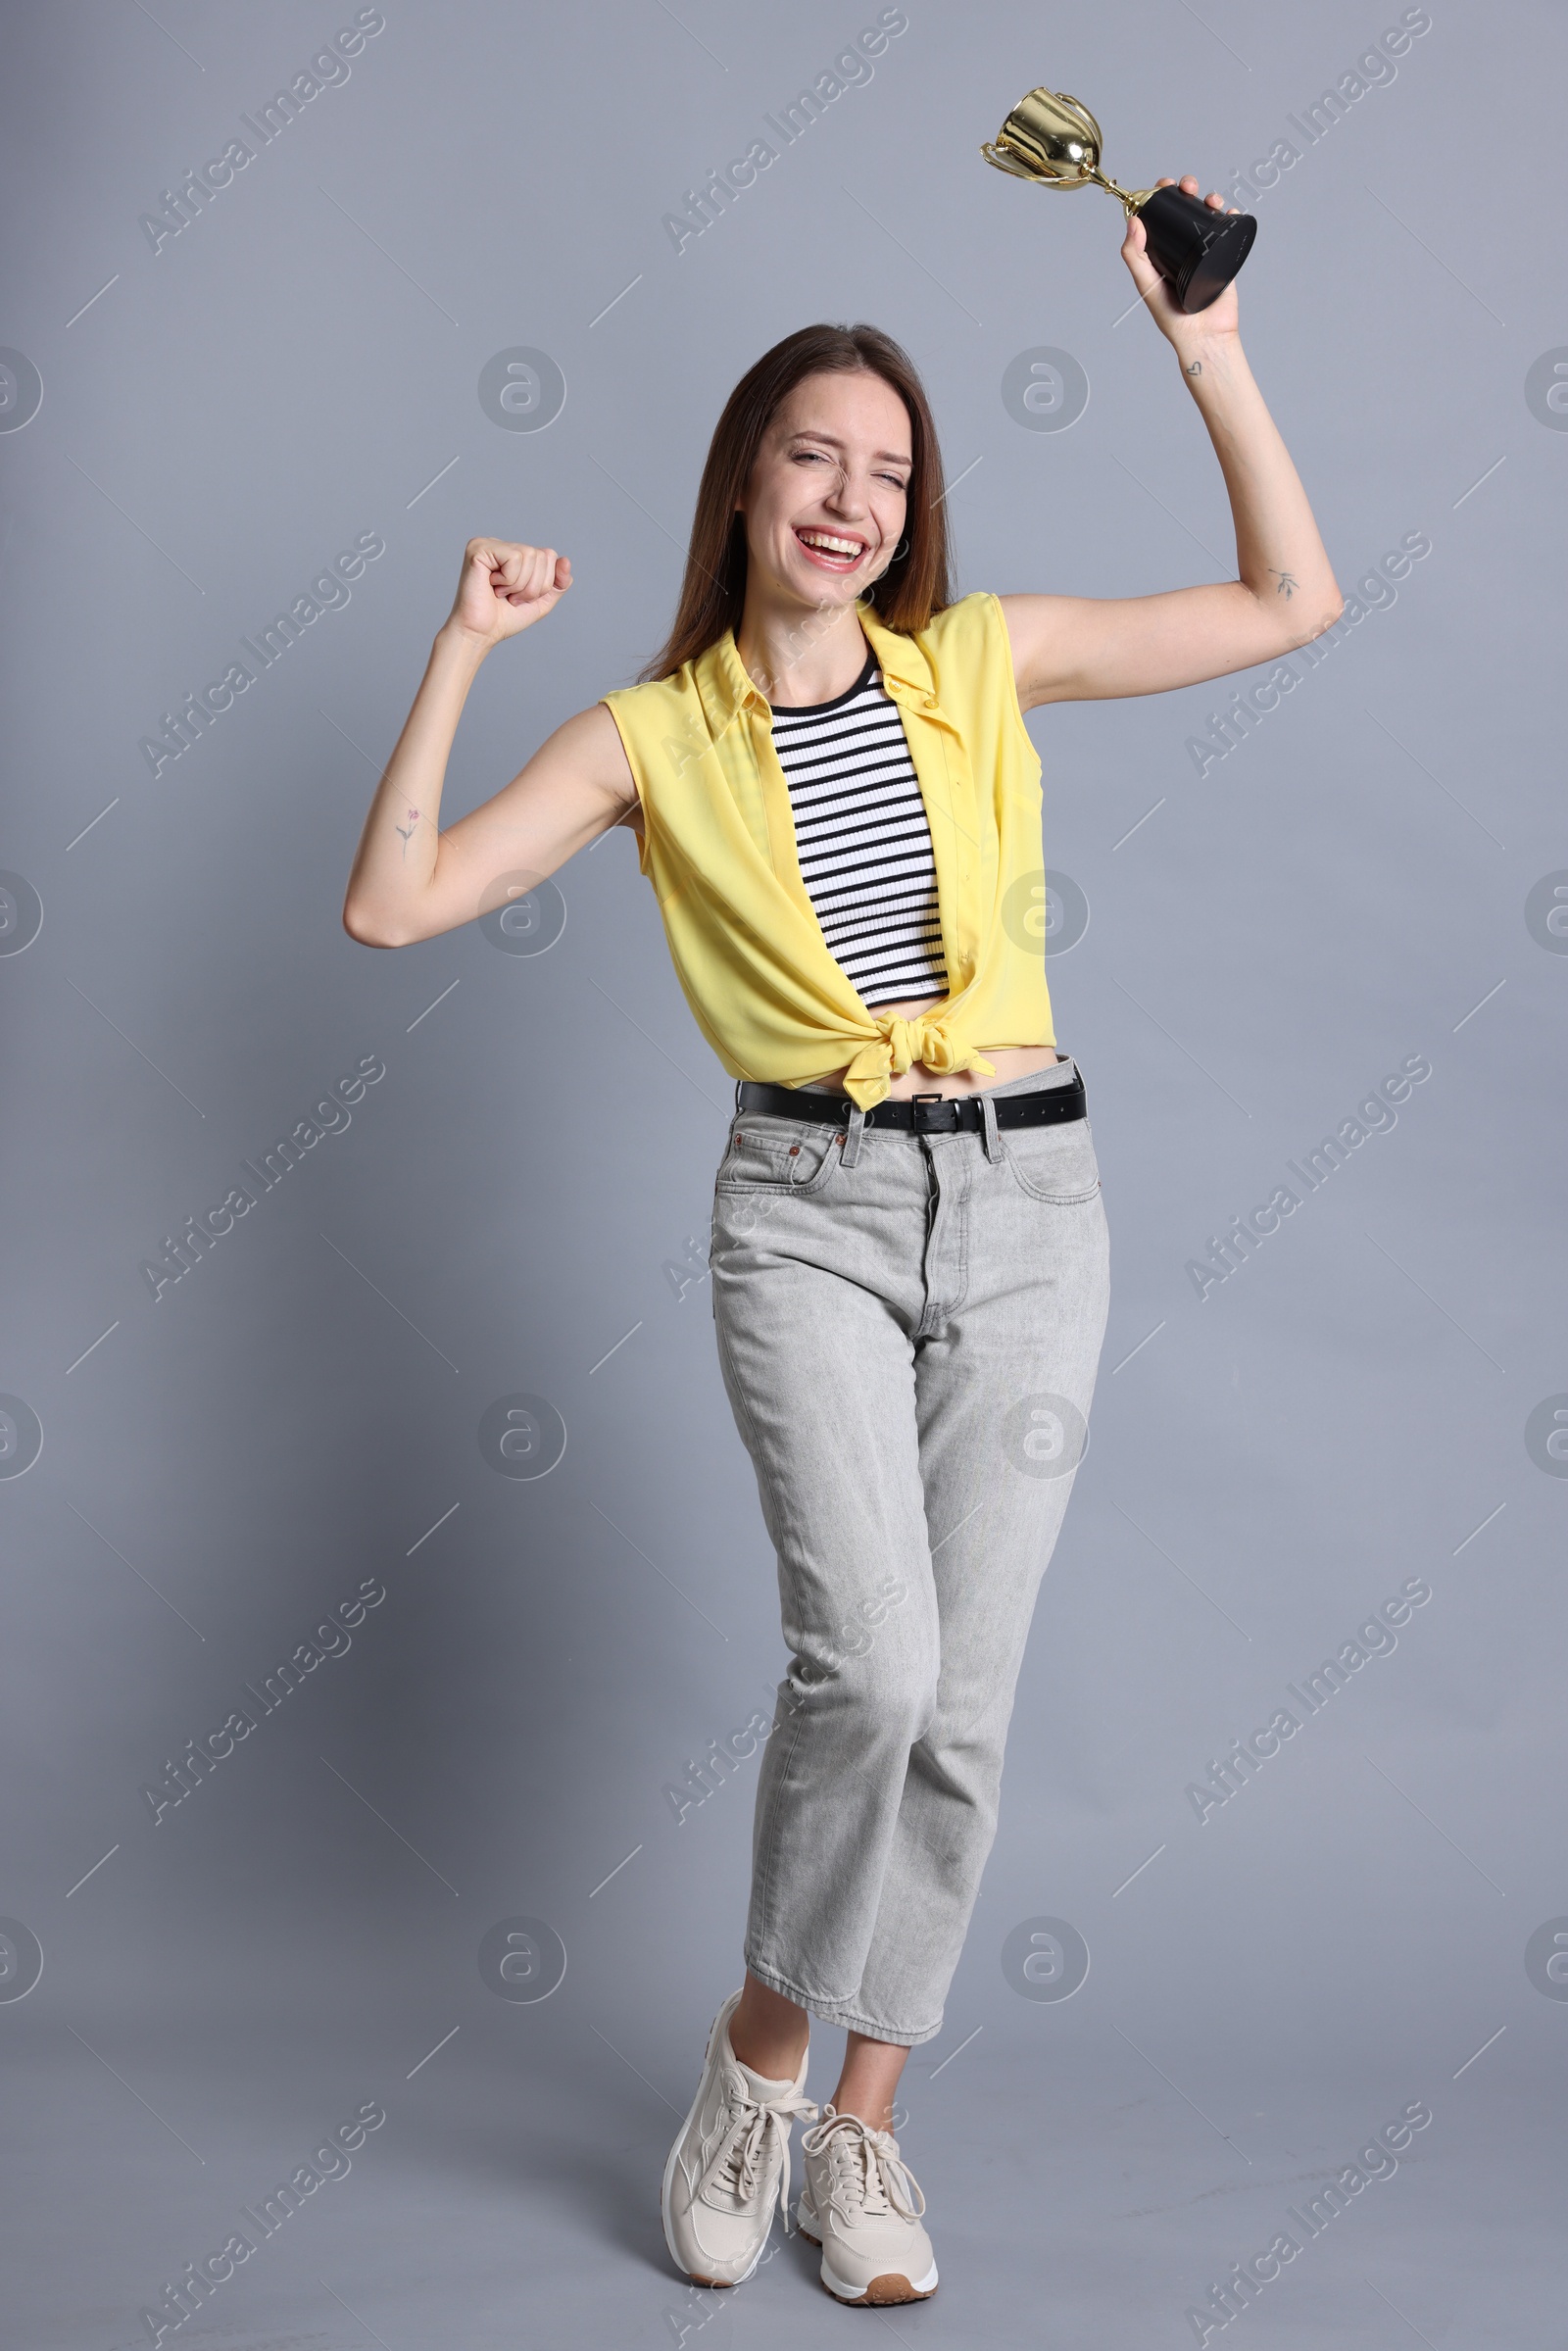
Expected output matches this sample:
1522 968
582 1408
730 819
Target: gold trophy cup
1054 141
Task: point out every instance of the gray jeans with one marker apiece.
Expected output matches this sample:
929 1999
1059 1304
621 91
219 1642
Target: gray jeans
908 1329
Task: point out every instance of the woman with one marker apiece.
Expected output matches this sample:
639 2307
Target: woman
838 804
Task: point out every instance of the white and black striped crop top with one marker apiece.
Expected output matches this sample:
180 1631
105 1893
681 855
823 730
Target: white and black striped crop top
863 840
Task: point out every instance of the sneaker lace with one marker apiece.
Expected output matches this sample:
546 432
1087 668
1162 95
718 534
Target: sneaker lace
869 2173
751 2129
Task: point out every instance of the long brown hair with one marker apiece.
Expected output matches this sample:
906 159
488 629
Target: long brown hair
713 597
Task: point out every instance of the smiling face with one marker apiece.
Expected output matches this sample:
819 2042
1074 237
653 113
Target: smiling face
826 500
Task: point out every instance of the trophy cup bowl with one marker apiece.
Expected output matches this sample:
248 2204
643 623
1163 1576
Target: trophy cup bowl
1054 140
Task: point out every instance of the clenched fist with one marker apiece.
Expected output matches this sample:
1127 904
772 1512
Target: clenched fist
506 588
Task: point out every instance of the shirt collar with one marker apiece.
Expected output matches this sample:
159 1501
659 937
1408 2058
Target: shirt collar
726 686
898 658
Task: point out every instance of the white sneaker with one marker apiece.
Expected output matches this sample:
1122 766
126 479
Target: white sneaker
863 2208
730 2164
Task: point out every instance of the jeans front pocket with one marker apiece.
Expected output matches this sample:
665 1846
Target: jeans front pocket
784 1155
1054 1163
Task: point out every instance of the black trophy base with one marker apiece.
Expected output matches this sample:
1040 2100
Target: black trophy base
1197 250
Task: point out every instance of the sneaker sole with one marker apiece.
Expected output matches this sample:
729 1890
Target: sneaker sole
892 2287
667 2181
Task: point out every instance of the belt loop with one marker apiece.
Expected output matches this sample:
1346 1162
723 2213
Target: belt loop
988 1124
857 1128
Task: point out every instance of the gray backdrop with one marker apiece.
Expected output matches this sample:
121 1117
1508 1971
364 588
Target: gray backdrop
509 1201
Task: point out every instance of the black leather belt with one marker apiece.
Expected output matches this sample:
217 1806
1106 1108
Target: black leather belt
920 1113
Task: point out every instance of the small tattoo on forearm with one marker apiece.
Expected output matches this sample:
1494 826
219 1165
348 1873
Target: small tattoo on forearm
408 834
1288 582
1197 369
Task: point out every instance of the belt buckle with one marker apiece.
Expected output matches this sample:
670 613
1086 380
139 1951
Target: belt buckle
925 1123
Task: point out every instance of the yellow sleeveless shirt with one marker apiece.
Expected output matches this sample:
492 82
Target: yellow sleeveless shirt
719 846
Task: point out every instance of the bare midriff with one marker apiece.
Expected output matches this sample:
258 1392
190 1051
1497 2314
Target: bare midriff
1010 1061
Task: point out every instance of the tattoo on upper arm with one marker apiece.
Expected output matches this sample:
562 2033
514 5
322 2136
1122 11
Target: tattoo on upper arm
1288 582
406 832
